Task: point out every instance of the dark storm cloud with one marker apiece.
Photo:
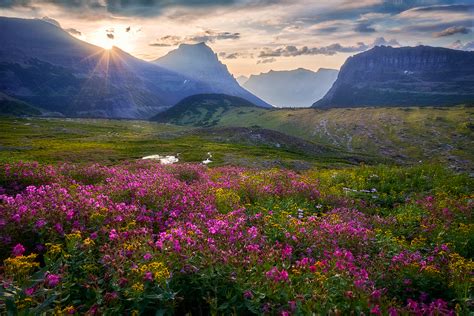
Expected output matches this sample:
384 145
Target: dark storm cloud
364 27
292 51
154 7
440 27
452 31
125 7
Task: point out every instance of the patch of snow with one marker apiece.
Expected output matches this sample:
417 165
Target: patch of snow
208 159
164 160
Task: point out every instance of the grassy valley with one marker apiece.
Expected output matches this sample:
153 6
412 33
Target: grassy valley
108 141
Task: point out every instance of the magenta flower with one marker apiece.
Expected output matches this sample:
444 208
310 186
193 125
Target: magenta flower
113 234
248 294
148 276
147 256
30 291
52 280
375 310
18 250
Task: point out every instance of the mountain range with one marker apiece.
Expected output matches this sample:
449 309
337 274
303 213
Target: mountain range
43 65
44 69
291 88
405 76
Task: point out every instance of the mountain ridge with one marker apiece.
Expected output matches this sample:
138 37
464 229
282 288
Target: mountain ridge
405 76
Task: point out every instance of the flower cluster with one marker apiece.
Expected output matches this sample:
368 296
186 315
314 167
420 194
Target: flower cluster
140 237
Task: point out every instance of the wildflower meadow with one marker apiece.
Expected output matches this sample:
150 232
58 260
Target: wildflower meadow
143 238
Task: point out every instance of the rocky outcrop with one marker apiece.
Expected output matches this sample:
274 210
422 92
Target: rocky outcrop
406 76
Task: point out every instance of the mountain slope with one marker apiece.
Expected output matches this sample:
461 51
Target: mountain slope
405 135
14 107
292 88
197 110
386 76
45 66
200 63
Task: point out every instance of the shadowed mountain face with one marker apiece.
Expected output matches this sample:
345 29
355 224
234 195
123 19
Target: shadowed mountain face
45 66
386 76
292 88
199 62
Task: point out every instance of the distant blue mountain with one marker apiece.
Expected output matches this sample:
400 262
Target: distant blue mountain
199 62
405 76
291 88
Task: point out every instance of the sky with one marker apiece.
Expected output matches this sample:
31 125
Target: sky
254 36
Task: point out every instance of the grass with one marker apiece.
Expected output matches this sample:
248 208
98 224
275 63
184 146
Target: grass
435 134
52 140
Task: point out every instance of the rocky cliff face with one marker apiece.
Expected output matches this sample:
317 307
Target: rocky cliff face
404 76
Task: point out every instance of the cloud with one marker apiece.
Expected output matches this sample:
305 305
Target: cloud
207 36
166 41
229 56
451 31
139 8
463 46
73 31
292 51
266 61
364 27
236 55
441 8
51 21
211 36
380 41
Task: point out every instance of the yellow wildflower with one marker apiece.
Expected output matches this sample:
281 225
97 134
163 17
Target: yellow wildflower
53 249
20 266
88 242
138 287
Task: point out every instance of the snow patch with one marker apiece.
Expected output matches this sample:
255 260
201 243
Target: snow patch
164 160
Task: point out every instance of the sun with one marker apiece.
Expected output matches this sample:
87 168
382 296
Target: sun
108 37
107 44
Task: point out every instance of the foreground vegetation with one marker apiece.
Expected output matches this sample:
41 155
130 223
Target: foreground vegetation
138 237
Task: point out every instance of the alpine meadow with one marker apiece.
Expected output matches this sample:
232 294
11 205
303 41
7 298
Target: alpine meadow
237 157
